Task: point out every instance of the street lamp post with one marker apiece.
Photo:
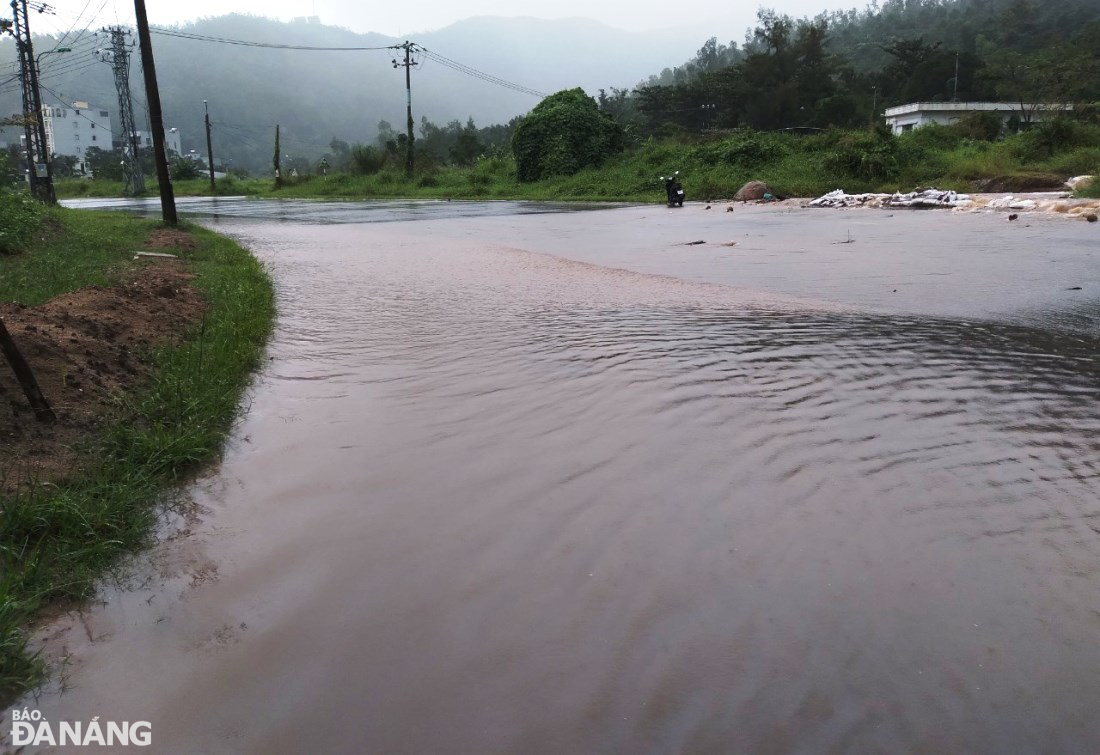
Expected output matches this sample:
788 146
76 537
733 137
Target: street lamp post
47 153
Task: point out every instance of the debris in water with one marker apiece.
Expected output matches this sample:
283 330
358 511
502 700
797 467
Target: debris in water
1013 216
694 243
1091 217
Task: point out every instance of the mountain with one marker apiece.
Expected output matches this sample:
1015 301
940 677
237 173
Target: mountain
318 95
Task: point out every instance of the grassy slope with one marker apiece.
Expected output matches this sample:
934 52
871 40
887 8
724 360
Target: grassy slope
55 541
793 165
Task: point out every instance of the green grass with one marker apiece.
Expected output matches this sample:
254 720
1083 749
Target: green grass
801 166
68 250
55 541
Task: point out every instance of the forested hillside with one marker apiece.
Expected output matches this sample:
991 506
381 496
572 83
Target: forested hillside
835 69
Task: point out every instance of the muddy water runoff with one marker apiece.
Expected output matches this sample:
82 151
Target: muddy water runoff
553 482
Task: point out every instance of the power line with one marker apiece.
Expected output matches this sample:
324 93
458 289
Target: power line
471 71
244 43
430 54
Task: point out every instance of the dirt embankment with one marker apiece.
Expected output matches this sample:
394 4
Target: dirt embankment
87 348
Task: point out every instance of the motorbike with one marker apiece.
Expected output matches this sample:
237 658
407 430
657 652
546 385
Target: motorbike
674 191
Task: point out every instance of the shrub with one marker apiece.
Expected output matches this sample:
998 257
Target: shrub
367 159
871 156
747 149
183 169
979 125
20 217
563 134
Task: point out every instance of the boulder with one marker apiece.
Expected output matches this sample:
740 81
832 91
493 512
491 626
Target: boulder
751 191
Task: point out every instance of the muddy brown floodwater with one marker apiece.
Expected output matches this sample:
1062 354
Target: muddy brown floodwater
557 483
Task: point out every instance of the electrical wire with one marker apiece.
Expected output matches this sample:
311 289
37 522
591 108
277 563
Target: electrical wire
471 71
243 43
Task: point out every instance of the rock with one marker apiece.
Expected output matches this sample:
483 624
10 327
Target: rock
751 191
729 208
1013 216
1091 217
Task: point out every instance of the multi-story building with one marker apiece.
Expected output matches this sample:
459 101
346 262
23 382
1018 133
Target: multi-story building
72 130
171 140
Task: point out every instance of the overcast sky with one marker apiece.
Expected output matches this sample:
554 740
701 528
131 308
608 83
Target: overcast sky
726 20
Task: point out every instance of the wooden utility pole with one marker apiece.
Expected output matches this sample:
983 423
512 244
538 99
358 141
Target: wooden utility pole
156 120
209 144
42 410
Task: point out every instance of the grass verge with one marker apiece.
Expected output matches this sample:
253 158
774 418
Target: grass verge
714 168
56 540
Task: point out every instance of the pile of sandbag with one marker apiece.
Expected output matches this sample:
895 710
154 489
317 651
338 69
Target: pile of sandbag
838 198
1012 203
920 198
929 198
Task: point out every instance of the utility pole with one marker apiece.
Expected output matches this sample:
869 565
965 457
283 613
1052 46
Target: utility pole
156 120
118 56
277 160
34 122
408 47
209 146
956 97
23 373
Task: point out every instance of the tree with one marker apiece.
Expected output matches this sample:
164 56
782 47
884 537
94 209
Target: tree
563 134
467 147
104 163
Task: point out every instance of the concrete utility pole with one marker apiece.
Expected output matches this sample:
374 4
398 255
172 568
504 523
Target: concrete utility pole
118 56
156 120
209 146
955 98
34 122
408 47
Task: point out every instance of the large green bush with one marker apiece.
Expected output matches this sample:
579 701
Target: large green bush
563 134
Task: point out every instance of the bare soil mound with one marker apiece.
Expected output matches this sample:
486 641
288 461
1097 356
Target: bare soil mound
86 348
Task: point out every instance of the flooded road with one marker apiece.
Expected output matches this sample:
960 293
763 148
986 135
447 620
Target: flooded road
527 481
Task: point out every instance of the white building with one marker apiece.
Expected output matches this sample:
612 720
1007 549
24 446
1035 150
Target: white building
908 117
171 140
72 130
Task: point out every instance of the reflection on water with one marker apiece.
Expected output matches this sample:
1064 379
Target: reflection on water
335 211
493 501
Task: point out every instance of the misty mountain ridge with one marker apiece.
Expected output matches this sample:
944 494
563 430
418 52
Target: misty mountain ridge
318 95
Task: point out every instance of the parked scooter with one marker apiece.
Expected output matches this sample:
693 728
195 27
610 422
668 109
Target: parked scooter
674 191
